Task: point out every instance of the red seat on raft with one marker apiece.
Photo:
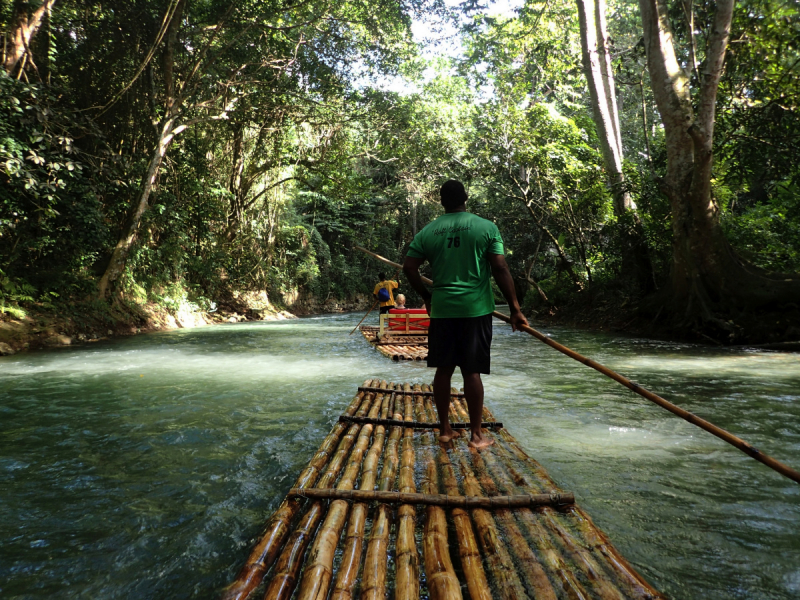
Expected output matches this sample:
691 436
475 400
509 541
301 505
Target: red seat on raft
408 320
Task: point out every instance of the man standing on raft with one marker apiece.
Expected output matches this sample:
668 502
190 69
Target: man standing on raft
462 249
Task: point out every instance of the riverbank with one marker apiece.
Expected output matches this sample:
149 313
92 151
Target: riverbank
86 322
776 330
66 324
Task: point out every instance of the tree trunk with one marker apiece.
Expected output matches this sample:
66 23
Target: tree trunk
707 275
636 264
238 191
123 247
168 59
414 215
564 262
25 27
168 132
600 77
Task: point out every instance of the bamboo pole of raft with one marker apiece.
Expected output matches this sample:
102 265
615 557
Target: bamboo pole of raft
589 549
373 581
534 575
354 538
406 556
440 575
552 558
318 571
416 393
708 426
593 538
449 500
544 542
319 566
471 562
551 555
413 424
507 583
290 560
277 529
593 549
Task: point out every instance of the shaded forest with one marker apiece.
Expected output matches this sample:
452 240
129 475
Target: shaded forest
640 158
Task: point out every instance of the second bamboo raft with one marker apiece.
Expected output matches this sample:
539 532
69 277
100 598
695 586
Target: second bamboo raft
354 536
395 346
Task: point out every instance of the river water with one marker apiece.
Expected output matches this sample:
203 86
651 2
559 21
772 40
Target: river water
145 467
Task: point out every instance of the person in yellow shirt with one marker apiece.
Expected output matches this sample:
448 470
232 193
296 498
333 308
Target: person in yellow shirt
388 285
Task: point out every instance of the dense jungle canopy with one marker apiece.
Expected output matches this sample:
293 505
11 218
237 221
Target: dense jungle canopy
638 155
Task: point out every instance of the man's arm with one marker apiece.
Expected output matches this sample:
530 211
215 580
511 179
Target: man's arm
411 269
504 281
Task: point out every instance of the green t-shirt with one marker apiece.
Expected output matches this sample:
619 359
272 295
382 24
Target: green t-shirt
456 245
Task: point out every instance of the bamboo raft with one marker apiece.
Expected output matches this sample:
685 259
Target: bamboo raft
397 347
387 512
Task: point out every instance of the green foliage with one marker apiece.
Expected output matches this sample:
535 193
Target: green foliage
176 298
769 233
544 180
290 158
51 222
758 135
12 293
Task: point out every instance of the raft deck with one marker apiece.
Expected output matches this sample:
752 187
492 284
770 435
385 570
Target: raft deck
394 514
397 346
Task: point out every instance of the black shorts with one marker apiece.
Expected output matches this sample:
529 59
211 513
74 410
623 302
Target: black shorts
464 343
386 309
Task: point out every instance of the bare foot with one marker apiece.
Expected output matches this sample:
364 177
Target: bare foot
450 435
480 443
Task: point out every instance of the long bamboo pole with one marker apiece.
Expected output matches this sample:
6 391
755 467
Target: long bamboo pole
722 434
354 538
318 571
449 500
288 565
373 582
529 520
507 583
371 308
602 551
551 557
591 549
534 572
406 555
468 551
277 529
440 575
413 424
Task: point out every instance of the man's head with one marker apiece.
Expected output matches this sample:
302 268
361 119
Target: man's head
382 276
453 194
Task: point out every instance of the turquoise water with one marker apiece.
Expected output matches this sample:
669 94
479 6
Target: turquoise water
145 467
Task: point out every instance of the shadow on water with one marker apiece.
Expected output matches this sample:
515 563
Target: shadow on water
145 467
